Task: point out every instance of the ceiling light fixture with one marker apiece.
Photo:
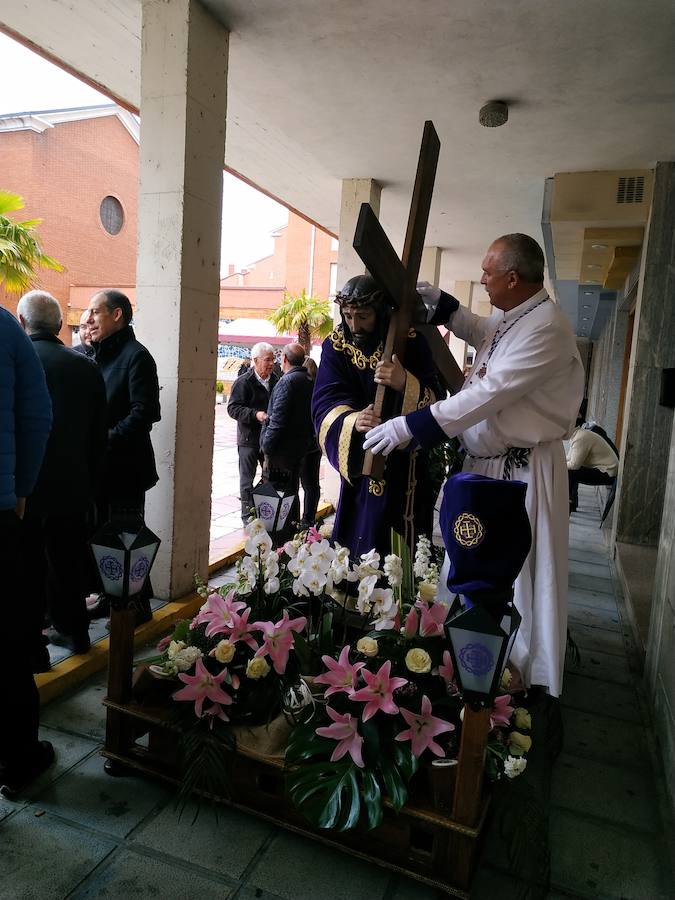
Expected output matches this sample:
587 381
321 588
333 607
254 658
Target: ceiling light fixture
599 246
592 266
588 293
493 114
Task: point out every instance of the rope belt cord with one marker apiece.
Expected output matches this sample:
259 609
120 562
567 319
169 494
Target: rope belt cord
514 458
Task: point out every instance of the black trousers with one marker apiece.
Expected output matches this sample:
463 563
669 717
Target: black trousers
19 698
57 558
309 478
249 459
584 475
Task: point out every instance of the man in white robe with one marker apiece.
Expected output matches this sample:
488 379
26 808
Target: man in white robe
518 402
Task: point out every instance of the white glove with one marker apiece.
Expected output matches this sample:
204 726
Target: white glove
388 436
430 296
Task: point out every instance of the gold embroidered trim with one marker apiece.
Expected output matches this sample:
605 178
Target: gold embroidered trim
427 398
328 420
376 487
411 394
357 357
344 444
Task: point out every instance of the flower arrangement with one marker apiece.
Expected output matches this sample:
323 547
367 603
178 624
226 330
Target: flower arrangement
385 696
390 703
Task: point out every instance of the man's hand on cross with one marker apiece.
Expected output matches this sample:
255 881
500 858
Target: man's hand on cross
392 374
367 419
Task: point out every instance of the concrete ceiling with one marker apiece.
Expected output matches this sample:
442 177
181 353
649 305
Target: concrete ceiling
320 91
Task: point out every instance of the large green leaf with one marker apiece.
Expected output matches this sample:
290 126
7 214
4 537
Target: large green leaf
372 798
328 793
393 783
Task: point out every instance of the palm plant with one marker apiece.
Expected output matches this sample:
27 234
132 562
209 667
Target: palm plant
307 316
20 250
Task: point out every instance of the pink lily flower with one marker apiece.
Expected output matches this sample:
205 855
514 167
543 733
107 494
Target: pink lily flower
423 729
216 711
278 639
313 535
240 630
433 618
218 613
501 711
412 621
345 732
378 693
446 670
203 686
342 675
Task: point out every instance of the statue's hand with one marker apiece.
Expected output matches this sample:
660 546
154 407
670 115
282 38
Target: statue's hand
392 374
367 419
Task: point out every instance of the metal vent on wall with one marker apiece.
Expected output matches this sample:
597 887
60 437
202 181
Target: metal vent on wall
630 189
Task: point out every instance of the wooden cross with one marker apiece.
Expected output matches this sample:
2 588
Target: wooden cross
398 278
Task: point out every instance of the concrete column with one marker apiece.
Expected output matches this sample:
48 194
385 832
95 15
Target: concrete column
355 191
644 449
183 105
430 267
463 291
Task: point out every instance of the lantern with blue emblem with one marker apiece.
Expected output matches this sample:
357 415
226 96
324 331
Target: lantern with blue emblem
124 550
487 536
272 506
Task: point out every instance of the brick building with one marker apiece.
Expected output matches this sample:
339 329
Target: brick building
77 170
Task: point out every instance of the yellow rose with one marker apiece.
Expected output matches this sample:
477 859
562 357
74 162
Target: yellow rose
224 651
368 646
428 592
519 743
523 718
418 660
257 668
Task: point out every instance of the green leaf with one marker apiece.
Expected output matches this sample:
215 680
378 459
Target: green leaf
372 798
393 783
327 793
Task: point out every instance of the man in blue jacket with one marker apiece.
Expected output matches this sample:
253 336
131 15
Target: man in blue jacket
25 420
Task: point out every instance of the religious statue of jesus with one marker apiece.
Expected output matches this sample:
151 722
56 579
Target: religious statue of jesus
351 367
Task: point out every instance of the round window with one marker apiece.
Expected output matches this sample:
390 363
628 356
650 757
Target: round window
112 215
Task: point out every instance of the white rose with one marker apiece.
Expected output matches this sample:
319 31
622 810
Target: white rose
326 530
428 592
257 668
185 659
174 648
514 766
368 646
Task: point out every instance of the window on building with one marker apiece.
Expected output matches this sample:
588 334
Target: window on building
112 215
332 290
334 244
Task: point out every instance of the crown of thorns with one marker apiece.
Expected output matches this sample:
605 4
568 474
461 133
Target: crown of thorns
358 299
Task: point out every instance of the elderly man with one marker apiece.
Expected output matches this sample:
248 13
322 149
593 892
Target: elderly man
84 346
287 432
25 420
57 512
132 407
519 401
591 459
248 403
342 406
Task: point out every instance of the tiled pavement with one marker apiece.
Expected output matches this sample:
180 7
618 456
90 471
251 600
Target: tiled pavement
82 834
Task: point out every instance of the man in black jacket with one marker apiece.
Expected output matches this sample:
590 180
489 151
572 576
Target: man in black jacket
288 432
58 511
248 405
132 392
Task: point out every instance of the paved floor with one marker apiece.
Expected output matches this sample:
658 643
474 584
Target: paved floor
81 834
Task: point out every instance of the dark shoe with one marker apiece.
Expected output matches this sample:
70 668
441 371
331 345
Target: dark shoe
99 610
78 645
40 661
14 781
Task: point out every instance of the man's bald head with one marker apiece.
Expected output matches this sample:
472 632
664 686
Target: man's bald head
294 354
513 270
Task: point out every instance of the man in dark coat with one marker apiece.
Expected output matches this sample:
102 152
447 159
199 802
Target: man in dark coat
58 511
248 405
132 391
288 433
25 420
84 347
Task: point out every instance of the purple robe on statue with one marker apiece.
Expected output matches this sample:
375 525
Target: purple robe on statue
367 508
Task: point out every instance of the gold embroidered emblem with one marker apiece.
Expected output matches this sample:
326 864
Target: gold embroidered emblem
357 357
376 487
468 530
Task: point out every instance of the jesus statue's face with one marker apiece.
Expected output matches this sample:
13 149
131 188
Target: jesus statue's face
361 320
